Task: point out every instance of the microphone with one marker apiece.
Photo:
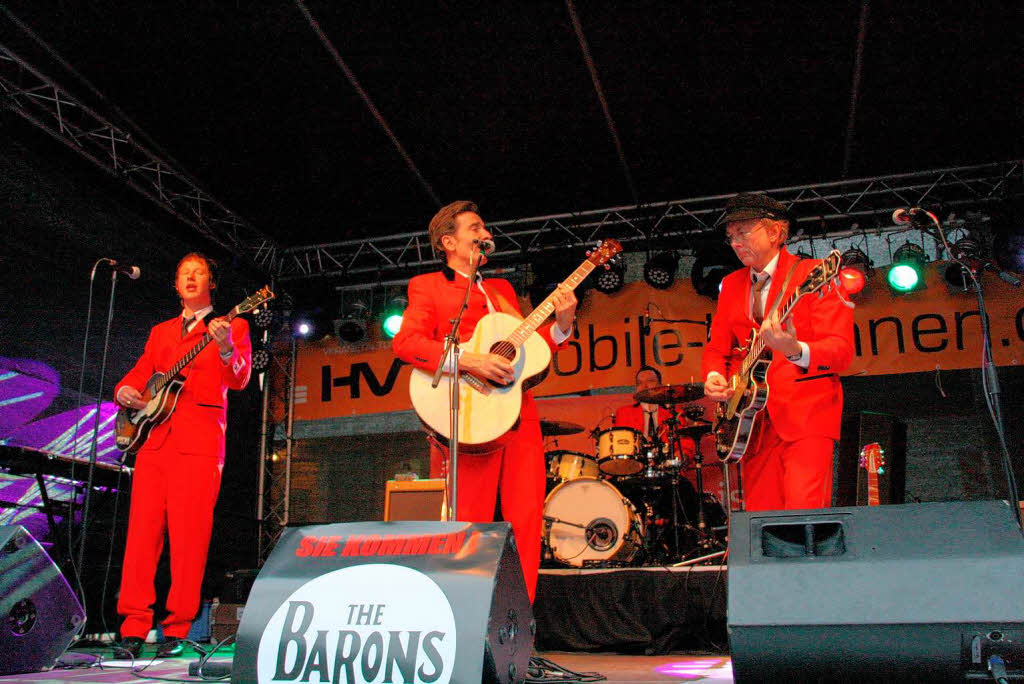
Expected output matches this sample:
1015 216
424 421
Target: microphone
909 215
486 246
132 272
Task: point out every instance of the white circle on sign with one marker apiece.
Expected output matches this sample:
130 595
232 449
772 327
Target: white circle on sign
365 623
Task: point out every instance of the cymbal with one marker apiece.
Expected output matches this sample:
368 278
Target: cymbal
694 429
671 394
555 428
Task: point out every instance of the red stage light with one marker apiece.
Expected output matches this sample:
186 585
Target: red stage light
853 279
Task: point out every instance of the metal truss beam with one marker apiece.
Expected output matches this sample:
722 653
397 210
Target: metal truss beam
275 470
821 208
42 102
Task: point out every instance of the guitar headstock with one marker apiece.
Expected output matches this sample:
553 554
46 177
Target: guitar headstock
872 458
822 274
262 296
604 252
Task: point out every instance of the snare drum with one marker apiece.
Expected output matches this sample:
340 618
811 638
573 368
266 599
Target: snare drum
570 465
620 451
589 520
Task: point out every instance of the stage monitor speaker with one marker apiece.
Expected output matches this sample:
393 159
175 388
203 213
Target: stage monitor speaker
39 614
384 602
918 592
414 499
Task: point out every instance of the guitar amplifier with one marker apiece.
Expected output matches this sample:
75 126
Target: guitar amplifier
414 500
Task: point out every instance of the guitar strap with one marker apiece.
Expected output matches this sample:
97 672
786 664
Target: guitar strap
782 290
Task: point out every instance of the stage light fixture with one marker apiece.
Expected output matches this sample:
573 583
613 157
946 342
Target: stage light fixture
1008 248
611 279
955 275
263 317
391 320
352 326
906 274
711 265
260 357
660 270
855 269
302 327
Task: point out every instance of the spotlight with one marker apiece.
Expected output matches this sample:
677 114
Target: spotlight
302 327
955 275
260 357
907 271
391 321
263 317
352 326
711 265
612 278
856 266
1008 248
660 270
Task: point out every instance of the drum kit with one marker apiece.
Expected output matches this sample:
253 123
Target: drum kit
638 500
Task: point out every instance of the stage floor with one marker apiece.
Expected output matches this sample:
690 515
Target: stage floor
713 669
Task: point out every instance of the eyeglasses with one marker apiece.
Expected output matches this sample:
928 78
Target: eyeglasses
743 235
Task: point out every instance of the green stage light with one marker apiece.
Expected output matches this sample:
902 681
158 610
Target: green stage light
391 319
907 271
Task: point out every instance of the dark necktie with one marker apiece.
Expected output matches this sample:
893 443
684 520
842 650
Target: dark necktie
652 427
758 307
185 323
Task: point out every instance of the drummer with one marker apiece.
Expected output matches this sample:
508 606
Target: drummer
650 419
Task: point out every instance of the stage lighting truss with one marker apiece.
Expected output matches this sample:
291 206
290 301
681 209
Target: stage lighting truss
351 327
611 279
391 319
660 270
906 274
856 267
955 275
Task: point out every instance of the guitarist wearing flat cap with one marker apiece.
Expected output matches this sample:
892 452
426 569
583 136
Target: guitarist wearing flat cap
805 342
178 467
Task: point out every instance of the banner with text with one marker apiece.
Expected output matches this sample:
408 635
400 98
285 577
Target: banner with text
936 326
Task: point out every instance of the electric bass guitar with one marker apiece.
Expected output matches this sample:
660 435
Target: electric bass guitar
133 426
488 410
737 415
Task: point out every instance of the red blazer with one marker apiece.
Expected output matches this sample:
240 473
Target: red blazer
433 302
632 416
801 402
200 417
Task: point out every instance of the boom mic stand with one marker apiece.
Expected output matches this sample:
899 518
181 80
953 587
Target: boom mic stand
451 349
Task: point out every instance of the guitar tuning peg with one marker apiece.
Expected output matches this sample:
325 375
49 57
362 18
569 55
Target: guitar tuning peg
607 266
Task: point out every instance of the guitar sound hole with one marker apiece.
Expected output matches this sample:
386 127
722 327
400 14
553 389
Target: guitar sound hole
504 349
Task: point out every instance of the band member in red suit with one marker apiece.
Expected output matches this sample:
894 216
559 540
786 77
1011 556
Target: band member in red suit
516 470
650 418
788 463
178 469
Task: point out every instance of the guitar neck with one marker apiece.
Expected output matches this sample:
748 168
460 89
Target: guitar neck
547 307
873 499
193 352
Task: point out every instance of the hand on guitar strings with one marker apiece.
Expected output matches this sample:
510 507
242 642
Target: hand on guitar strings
220 331
716 387
488 366
129 397
565 302
781 337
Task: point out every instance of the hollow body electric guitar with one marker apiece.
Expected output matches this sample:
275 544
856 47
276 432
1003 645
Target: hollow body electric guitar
488 410
737 416
162 390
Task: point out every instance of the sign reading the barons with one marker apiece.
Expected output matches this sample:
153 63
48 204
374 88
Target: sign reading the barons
382 602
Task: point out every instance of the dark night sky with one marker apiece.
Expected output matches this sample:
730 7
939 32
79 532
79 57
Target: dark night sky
493 101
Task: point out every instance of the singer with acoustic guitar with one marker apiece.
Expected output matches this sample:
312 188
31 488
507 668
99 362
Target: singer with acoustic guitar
515 466
787 462
178 468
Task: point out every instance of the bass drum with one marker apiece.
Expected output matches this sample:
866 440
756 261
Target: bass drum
589 521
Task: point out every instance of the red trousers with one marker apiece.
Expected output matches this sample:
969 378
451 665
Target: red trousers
786 475
174 493
517 471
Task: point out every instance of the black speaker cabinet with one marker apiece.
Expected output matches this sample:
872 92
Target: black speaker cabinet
39 614
918 592
388 602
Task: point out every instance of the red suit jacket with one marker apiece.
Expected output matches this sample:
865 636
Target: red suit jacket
200 416
632 416
433 302
801 402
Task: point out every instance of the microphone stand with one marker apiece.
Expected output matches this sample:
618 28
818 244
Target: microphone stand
989 371
451 349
